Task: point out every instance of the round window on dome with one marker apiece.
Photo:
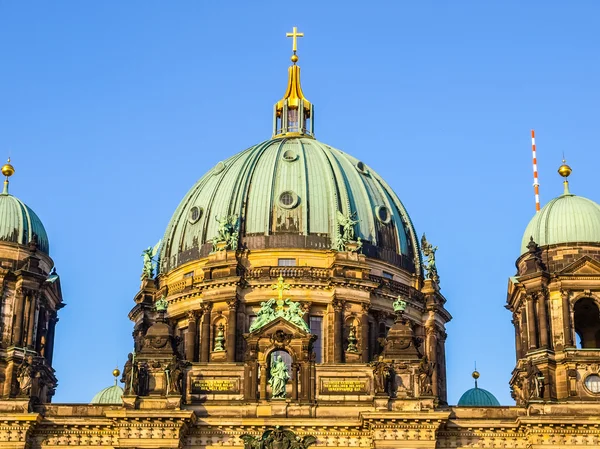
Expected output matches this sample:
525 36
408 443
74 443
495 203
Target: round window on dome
592 383
289 156
195 214
288 199
362 168
383 214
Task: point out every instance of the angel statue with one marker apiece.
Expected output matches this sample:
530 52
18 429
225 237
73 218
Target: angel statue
227 232
347 235
149 254
429 252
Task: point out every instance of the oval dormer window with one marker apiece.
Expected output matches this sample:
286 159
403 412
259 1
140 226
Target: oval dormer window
383 214
362 168
289 156
195 214
288 199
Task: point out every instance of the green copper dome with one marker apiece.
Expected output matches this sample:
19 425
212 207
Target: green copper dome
566 219
19 224
286 193
478 397
110 395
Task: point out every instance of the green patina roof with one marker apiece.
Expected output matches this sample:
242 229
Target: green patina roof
323 181
566 219
110 395
478 397
18 223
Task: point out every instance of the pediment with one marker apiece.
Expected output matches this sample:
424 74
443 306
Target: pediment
280 324
585 265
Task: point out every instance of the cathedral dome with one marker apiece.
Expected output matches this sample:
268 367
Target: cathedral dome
478 397
287 192
18 223
109 395
566 219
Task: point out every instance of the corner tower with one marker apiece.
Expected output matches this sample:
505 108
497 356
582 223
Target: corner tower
31 298
555 301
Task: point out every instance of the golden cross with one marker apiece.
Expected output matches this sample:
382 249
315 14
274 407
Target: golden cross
294 35
280 287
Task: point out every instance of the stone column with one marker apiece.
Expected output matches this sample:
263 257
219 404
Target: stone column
20 295
263 381
231 329
432 356
531 323
338 333
295 381
50 339
8 378
542 309
515 322
205 335
190 337
40 339
567 328
364 333
31 321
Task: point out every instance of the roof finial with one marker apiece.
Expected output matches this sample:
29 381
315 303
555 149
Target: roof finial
116 373
294 35
565 171
7 170
475 374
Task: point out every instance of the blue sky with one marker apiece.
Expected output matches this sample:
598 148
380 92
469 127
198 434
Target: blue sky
112 110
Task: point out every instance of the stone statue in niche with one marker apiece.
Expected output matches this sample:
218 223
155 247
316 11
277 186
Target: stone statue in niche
535 381
425 377
382 376
352 340
25 378
220 338
279 378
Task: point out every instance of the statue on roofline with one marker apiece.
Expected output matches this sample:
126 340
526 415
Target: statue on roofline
346 237
149 262
227 232
429 252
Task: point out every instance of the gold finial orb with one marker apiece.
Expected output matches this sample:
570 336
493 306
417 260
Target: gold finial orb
475 374
294 59
116 372
564 170
7 169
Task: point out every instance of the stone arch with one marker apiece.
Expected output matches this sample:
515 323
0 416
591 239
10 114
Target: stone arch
586 321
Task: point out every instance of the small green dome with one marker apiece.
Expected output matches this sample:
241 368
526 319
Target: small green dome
110 395
478 397
287 192
566 219
18 223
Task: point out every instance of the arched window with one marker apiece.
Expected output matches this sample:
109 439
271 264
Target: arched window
587 323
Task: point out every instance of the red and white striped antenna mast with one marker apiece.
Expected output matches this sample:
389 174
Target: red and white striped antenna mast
536 183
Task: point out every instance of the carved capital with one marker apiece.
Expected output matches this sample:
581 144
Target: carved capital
192 315
233 304
306 305
365 307
565 294
206 307
338 305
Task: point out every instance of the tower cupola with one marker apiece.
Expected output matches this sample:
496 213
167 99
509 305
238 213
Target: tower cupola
293 114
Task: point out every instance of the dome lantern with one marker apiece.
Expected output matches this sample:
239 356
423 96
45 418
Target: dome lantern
293 114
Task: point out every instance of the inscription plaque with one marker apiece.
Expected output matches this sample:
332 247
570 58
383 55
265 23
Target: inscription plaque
215 385
344 385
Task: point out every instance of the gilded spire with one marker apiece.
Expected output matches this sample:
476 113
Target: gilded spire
565 171
7 170
293 113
